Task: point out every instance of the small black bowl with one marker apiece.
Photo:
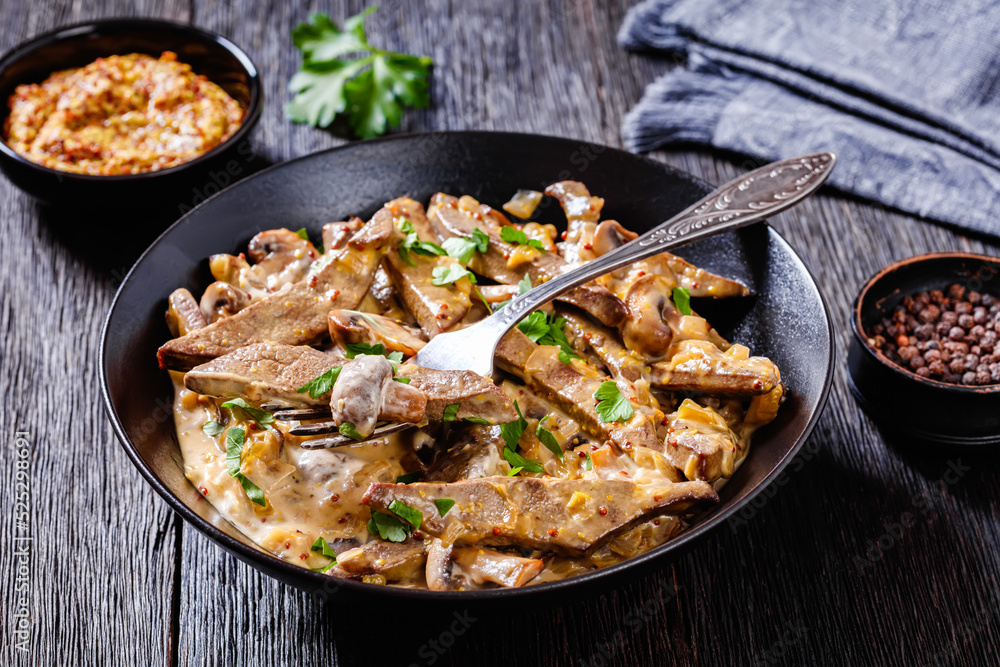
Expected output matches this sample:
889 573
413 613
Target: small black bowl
923 409
75 46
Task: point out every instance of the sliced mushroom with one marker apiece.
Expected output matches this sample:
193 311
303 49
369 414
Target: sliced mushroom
222 300
352 326
582 213
365 393
281 257
183 315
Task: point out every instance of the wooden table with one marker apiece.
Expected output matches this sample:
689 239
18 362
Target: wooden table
829 570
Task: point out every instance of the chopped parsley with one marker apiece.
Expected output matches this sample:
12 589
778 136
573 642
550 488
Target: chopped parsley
520 463
477 420
378 349
347 429
548 330
403 380
408 478
462 248
518 237
213 429
412 243
321 384
524 285
302 234
450 412
589 465
443 505
371 89
682 299
410 515
612 406
244 411
512 431
388 527
321 546
546 438
234 455
444 275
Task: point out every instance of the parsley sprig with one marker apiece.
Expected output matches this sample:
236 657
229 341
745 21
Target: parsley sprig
462 248
518 237
399 525
244 411
371 89
234 458
412 243
682 299
612 405
548 330
354 349
323 547
322 383
511 433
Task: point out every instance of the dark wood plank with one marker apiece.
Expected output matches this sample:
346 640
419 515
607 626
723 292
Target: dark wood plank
822 572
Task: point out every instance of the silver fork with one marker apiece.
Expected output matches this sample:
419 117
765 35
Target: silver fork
744 201
748 199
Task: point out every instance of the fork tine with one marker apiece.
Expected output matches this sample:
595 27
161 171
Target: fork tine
314 429
341 440
307 413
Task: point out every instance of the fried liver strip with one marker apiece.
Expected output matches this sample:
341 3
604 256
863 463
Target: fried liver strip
700 366
298 315
437 308
274 372
569 516
572 391
452 219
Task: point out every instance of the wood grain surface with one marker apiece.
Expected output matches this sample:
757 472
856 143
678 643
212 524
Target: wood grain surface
873 552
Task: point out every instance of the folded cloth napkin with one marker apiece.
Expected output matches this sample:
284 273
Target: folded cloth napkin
907 93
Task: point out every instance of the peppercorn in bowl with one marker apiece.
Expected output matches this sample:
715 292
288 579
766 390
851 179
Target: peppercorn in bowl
925 358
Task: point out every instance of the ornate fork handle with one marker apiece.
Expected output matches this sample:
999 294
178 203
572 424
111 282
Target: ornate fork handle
761 193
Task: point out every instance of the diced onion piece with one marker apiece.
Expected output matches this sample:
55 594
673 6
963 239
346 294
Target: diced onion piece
523 203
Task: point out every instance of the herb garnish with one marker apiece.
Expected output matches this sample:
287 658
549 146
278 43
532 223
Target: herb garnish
234 454
408 478
403 380
450 412
477 420
682 299
388 527
244 411
546 438
354 349
548 330
412 243
443 505
518 237
461 247
347 429
213 429
520 463
449 274
321 546
612 405
512 431
327 83
321 384
411 515
302 234
589 465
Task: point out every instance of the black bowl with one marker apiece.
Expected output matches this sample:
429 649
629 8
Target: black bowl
919 408
787 320
75 46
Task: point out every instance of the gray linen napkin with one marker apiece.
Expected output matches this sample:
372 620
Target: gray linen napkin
906 93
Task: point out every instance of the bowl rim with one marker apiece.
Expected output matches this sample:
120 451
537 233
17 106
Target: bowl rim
250 117
289 571
862 338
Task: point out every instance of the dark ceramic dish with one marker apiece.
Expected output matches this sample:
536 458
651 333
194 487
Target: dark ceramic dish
211 55
787 320
923 409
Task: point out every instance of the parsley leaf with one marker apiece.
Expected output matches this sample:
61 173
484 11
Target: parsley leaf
325 568
244 411
682 299
518 461
234 454
354 349
388 527
524 284
347 429
477 420
410 515
443 505
403 380
321 384
612 405
372 89
412 243
449 274
323 547
534 326
512 431
546 438
213 429
450 412
408 478
518 237
514 471
462 247
546 330
589 465
302 234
